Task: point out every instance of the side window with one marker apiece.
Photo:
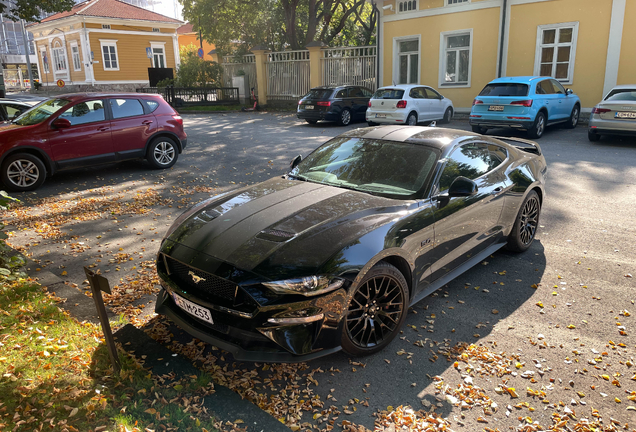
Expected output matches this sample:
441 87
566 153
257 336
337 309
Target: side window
367 93
497 156
152 105
470 161
356 92
432 94
341 94
13 111
126 108
417 93
85 112
545 87
558 88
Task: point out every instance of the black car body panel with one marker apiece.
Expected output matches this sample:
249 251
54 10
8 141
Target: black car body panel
313 106
224 249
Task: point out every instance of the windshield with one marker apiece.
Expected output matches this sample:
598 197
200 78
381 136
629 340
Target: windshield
505 89
41 112
378 167
622 95
388 94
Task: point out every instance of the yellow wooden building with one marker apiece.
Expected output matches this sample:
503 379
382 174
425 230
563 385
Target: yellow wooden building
458 46
104 45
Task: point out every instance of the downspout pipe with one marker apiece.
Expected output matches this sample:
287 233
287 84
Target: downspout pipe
503 37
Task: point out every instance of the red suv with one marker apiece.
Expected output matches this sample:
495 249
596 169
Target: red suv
84 129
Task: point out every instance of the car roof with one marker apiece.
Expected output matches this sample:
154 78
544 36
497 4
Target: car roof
77 96
624 86
403 86
13 101
440 138
335 87
518 79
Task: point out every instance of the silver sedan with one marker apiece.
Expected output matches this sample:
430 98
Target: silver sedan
615 114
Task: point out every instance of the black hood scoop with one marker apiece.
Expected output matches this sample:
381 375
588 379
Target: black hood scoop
275 235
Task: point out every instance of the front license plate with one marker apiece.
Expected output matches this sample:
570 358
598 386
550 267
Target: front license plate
193 308
309 107
380 115
625 115
495 108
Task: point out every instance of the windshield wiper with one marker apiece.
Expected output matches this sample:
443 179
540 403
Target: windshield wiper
296 177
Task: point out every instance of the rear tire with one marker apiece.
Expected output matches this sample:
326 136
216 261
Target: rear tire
448 116
345 117
376 311
373 124
23 172
411 120
593 136
163 153
537 129
311 121
479 129
526 224
574 117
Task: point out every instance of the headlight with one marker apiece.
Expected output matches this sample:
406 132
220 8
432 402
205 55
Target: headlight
307 286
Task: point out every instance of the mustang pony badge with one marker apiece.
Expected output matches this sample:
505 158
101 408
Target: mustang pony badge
195 278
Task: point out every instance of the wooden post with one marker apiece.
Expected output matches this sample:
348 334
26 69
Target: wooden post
98 284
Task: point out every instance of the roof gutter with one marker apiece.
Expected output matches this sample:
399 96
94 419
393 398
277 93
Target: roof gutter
503 37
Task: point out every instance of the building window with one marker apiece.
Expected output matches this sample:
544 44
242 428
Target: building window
77 62
408 65
59 57
45 61
556 47
454 2
156 30
106 26
406 6
158 54
109 54
456 53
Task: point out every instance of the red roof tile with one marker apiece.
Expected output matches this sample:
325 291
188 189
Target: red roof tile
111 9
186 28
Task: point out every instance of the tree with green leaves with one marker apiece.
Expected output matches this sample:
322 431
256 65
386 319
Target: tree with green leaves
194 71
31 11
239 25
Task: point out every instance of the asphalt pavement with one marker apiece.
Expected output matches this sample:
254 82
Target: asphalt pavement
561 309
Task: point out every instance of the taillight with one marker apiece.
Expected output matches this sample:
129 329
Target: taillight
300 102
525 103
401 104
596 110
178 119
328 103
369 103
477 102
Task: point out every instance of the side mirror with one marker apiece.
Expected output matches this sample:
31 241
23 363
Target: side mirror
462 187
61 123
569 92
295 162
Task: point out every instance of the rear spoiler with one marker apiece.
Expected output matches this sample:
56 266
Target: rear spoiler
521 144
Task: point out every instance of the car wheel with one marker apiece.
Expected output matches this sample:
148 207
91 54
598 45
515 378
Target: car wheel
311 121
536 131
372 124
163 153
479 129
23 172
448 115
411 120
574 118
376 311
526 223
345 117
593 136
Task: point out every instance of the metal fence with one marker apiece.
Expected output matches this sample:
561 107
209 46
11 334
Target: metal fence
183 96
242 66
287 75
350 66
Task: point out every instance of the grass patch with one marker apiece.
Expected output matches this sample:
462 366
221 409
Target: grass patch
211 108
56 375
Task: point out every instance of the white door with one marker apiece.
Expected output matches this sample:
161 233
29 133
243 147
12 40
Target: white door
436 104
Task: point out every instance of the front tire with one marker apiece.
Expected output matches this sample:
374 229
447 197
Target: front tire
537 129
376 311
345 117
526 224
574 117
448 116
411 120
163 153
23 172
593 136
480 130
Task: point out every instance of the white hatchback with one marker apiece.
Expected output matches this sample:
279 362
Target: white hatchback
408 104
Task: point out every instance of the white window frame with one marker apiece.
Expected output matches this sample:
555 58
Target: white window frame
443 36
75 55
455 2
403 2
106 26
45 66
109 43
58 54
396 56
572 45
162 46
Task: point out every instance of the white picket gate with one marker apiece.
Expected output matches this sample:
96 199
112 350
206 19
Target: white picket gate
287 74
350 66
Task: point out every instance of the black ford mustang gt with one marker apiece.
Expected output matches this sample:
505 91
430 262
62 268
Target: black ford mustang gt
331 255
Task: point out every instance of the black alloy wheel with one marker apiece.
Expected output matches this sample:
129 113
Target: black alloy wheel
526 224
23 172
376 310
345 117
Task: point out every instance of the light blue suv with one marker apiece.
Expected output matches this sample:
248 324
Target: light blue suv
528 103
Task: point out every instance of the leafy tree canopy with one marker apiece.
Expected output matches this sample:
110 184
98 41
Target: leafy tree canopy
194 71
239 25
31 11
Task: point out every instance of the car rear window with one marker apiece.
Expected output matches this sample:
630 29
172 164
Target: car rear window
319 93
505 89
388 94
622 95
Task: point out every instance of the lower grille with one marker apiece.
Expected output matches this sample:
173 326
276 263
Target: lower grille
199 280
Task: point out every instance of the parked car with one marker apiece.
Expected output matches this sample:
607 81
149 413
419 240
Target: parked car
408 104
331 255
85 129
528 103
342 104
10 109
615 114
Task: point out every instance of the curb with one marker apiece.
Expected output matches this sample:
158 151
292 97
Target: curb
226 405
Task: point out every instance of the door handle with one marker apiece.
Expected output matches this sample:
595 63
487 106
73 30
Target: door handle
102 129
146 122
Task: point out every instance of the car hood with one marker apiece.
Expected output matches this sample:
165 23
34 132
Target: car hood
283 224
